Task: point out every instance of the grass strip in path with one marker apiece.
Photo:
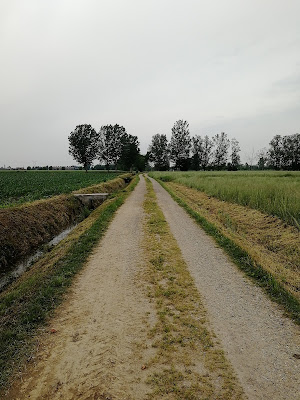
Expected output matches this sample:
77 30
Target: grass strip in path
189 361
238 253
26 306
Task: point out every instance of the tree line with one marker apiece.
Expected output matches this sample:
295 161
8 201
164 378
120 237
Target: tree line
116 149
197 152
111 145
283 153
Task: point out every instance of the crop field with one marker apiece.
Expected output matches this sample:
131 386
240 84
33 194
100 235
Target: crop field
17 187
272 192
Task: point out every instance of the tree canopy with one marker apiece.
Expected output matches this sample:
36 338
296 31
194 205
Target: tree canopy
220 153
83 144
110 144
180 144
129 157
284 152
159 153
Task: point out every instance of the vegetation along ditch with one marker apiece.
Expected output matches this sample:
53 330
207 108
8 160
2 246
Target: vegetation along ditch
27 303
25 228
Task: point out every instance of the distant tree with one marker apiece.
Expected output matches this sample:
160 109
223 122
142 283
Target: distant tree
220 153
110 144
207 152
83 145
180 144
129 152
99 167
251 158
262 156
201 152
159 152
197 152
141 162
291 152
275 152
235 157
296 152
284 152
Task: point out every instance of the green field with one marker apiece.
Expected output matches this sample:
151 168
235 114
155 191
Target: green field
272 192
17 187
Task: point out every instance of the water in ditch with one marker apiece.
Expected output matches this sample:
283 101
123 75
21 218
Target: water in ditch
8 276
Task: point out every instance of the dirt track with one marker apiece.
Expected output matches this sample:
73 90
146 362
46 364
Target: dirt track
95 354
258 340
101 340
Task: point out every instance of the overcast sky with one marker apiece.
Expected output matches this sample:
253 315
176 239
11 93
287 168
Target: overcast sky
231 66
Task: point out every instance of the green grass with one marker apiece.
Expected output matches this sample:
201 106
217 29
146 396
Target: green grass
243 260
28 304
189 363
17 187
272 192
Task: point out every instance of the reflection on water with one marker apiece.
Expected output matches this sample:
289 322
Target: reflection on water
8 276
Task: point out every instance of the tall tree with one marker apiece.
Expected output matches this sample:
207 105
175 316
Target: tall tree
180 144
197 152
296 152
207 152
262 157
201 150
83 144
275 152
159 153
110 144
235 157
291 152
130 152
220 154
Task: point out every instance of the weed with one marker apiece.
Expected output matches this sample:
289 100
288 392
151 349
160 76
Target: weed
187 357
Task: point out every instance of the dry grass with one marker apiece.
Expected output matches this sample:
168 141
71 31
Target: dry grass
189 359
269 241
271 192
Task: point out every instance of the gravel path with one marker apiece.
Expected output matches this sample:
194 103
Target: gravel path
102 344
257 339
96 352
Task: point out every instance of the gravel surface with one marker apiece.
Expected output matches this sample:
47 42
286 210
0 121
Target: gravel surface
95 353
258 340
101 343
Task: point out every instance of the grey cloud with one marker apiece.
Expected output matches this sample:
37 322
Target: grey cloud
144 64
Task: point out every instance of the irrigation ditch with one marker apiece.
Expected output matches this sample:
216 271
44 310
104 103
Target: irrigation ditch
30 230
27 302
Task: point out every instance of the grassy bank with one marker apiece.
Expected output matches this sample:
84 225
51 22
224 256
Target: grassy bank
189 362
26 227
28 303
261 246
272 192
